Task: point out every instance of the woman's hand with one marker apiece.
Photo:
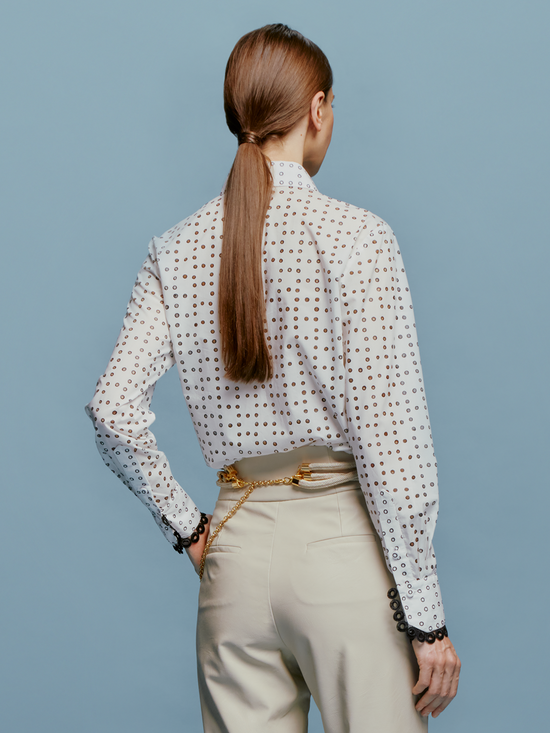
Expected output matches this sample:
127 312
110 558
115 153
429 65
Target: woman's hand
438 680
194 552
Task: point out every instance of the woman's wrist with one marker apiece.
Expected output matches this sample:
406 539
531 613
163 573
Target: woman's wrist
195 550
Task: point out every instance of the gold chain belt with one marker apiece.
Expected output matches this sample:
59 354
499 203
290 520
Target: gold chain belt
322 475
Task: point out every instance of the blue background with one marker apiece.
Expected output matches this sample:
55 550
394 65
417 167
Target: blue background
113 131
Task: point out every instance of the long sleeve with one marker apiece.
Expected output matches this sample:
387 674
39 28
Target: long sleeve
120 408
387 417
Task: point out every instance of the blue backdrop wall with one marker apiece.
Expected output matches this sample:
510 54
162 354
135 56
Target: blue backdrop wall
112 131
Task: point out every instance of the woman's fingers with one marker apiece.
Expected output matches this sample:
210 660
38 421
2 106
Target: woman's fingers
449 688
453 688
439 668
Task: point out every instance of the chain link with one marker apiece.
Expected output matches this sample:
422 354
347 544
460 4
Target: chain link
239 484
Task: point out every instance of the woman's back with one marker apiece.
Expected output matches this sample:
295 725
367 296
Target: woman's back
307 235
314 246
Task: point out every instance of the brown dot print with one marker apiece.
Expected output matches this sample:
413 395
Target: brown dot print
346 370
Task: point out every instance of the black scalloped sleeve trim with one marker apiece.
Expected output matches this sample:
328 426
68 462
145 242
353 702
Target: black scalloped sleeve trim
183 543
411 631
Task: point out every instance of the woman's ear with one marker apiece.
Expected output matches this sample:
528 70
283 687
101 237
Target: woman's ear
316 112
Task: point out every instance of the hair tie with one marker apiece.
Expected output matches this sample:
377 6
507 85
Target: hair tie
248 137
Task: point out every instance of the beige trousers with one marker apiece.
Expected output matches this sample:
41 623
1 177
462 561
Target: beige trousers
293 603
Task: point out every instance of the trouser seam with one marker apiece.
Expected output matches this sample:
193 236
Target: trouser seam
269 580
340 515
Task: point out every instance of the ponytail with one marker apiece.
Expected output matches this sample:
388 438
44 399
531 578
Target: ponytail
271 77
241 289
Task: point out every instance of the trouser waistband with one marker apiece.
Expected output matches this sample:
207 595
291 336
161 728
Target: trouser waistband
311 479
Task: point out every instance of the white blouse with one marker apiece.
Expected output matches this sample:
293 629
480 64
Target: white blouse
340 328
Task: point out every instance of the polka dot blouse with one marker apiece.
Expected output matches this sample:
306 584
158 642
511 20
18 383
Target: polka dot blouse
340 328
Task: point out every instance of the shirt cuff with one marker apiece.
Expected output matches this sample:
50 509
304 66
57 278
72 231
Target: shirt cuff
421 602
173 535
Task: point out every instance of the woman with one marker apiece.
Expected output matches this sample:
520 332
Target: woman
289 318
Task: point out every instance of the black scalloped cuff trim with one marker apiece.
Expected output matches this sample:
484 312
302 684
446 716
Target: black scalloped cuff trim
183 543
411 631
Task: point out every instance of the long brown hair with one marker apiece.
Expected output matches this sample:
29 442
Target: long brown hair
271 77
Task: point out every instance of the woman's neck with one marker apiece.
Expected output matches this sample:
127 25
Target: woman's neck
290 147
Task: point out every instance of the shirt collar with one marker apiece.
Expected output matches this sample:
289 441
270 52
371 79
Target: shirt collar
288 173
